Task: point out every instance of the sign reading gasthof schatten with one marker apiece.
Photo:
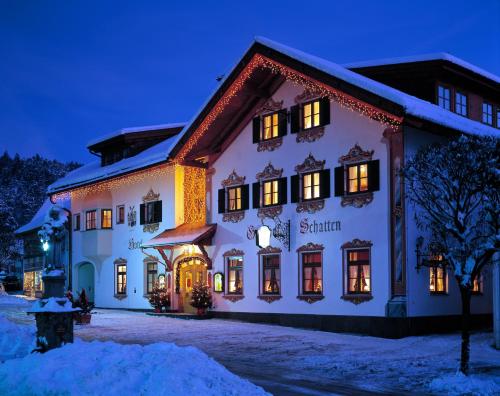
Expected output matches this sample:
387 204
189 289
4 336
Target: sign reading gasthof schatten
313 227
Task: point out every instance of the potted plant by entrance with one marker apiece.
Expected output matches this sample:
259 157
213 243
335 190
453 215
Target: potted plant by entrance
201 298
83 316
159 298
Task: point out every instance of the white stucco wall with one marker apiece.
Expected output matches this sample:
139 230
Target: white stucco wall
368 223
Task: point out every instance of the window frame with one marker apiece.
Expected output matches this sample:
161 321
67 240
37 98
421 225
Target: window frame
347 178
450 98
77 222
347 272
303 116
87 212
120 220
227 275
302 291
435 268
121 275
455 107
110 227
228 193
147 272
272 126
486 103
312 187
262 274
480 283
272 193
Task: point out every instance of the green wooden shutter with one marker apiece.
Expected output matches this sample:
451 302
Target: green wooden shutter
256 129
324 111
295 119
339 181
282 191
245 196
222 200
295 185
256 195
324 179
282 122
374 175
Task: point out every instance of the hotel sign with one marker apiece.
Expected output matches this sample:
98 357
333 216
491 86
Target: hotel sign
314 227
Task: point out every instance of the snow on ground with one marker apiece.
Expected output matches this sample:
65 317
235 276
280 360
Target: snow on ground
288 360
108 368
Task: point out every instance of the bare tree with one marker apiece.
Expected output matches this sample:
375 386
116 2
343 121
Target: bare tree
454 187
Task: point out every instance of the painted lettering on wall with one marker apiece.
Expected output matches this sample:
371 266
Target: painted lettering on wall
133 244
314 226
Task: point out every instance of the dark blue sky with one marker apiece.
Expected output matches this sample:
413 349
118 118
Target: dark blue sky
73 70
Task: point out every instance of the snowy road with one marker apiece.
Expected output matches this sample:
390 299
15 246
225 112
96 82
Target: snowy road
304 362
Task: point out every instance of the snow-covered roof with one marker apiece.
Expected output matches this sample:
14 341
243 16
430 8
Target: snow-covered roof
39 218
412 105
444 56
94 172
127 131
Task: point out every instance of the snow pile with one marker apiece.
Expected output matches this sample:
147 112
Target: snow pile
53 272
15 340
18 301
459 384
107 368
53 304
55 219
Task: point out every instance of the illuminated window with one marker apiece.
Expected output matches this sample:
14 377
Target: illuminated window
218 282
270 192
487 113
235 275
460 104
90 220
106 218
444 98
437 281
311 114
121 278
234 199
312 273
358 271
311 186
477 284
120 214
76 222
271 275
151 276
270 126
357 178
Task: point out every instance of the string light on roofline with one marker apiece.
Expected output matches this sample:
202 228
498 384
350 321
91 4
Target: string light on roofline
295 77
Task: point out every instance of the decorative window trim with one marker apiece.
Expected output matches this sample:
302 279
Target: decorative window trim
233 297
271 106
306 96
355 298
118 220
232 181
355 156
150 197
116 263
269 250
233 252
310 165
310 247
269 173
314 133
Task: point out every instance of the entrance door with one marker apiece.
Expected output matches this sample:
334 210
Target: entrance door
86 280
193 270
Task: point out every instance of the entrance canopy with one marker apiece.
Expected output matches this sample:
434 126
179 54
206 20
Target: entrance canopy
199 235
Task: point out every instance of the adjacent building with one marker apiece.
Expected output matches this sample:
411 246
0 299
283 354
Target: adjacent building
283 195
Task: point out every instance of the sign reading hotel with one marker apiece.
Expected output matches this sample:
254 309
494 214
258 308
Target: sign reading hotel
313 227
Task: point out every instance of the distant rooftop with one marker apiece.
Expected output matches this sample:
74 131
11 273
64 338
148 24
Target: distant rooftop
132 130
443 56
